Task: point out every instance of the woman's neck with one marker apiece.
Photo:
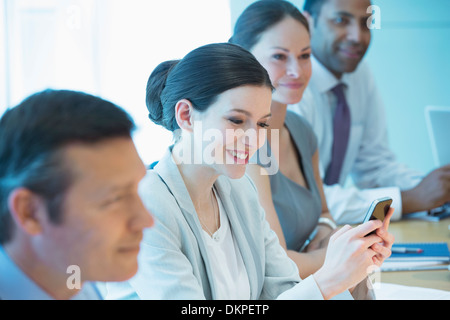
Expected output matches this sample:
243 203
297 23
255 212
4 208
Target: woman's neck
277 119
198 178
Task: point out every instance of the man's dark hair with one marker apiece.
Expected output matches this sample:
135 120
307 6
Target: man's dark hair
313 7
32 138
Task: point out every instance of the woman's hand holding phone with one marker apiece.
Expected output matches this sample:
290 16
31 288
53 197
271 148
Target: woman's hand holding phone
383 249
351 253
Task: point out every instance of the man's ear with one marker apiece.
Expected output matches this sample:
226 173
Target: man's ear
24 206
184 111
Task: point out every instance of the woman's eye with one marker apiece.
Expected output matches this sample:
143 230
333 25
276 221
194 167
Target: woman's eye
305 56
263 125
279 56
235 121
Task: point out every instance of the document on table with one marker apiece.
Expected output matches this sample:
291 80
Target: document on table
388 291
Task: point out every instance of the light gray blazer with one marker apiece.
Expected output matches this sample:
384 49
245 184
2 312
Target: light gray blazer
173 262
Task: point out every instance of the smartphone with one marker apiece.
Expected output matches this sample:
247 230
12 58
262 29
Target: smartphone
378 210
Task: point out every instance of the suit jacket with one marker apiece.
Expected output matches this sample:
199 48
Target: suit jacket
173 261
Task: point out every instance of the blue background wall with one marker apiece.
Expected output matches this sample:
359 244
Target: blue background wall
410 58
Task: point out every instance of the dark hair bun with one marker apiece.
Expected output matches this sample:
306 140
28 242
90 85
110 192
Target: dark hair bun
155 86
200 77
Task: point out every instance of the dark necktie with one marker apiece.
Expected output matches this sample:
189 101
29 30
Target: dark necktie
341 133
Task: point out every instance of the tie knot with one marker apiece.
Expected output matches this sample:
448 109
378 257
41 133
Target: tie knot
338 90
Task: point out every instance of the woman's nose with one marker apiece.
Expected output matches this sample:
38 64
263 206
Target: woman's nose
293 69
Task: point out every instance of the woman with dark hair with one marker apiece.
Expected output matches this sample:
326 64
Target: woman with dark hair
292 195
211 239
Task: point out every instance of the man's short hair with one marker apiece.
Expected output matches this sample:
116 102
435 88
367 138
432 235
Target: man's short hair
32 138
313 7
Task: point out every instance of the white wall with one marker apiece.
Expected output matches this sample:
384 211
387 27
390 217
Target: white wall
107 48
3 65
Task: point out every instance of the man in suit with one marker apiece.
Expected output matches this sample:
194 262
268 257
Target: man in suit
70 214
343 105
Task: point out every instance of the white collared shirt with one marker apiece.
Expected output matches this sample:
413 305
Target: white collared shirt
368 161
230 274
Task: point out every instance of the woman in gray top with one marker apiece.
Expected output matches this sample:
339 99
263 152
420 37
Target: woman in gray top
299 207
287 170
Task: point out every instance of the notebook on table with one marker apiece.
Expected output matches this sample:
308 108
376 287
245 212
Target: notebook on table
432 254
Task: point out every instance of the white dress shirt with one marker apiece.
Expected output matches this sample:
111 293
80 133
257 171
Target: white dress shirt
226 261
368 161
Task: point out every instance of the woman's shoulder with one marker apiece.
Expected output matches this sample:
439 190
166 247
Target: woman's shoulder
301 130
244 195
156 196
295 120
151 182
243 187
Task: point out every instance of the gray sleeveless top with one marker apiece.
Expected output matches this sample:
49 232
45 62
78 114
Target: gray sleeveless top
298 208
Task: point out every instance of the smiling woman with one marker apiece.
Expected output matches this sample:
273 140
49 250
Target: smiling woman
230 86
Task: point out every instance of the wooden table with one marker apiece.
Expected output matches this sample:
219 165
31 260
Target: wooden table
420 231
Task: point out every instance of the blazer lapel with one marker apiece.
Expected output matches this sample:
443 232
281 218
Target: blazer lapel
242 234
169 173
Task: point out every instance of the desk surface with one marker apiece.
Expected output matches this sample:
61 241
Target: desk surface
420 231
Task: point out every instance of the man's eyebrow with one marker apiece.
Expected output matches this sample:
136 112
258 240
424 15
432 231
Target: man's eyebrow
349 15
345 14
118 188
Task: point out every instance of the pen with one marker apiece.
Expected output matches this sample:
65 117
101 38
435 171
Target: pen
406 250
